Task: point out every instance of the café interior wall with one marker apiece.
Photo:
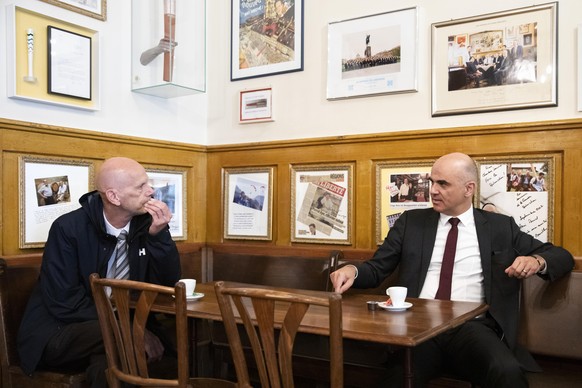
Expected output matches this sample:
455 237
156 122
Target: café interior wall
300 107
122 111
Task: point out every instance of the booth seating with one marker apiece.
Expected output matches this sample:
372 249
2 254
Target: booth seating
550 326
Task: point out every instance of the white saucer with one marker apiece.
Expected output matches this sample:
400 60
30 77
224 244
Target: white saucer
406 306
194 296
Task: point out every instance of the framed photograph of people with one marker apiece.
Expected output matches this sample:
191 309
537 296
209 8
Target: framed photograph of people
373 55
255 105
170 187
400 186
266 38
48 188
248 203
95 8
321 203
508 61
523 188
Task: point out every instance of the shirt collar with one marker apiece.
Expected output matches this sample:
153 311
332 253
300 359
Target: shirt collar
466 218
112 230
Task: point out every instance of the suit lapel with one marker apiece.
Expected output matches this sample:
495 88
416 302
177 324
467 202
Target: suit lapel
484 238
428 239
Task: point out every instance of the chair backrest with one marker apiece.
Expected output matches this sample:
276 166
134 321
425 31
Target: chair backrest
256 309
123 318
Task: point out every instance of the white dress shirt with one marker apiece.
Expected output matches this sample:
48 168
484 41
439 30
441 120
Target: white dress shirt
467 283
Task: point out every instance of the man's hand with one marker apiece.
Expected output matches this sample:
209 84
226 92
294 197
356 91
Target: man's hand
161 215
153 346
343 278
525 266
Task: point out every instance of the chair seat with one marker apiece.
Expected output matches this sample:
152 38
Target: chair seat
202 382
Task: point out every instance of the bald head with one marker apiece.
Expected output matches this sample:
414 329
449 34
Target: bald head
463 166
116 173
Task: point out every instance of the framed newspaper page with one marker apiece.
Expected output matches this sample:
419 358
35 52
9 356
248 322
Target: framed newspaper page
321 203
248 202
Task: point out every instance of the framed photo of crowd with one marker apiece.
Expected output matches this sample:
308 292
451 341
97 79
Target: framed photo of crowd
373 55
48 188
321 203
248 203
400 186
498 61
523 188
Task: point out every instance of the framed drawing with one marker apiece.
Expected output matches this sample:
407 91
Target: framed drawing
266 38
48 188
255 105
96 8
69 63
508 62
400 186
170 187
321 203
248 201
521 187
373 55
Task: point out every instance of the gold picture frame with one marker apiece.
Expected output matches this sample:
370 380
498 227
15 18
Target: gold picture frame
391 196
247 196
48 188
321 203
96 9
169 186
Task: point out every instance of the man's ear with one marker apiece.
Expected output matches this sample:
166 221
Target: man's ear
112 197
470 188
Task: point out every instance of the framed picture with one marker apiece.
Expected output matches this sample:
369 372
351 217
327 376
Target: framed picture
255 105
321 203
69 63
248 202
266 38
51 61
521 187
400 186
170 187
373 55
48 188
508 62
96 8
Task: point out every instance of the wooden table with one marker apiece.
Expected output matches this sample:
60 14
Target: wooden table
424 320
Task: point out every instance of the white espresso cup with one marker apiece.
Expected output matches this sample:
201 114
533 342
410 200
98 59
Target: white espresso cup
397 295
190 286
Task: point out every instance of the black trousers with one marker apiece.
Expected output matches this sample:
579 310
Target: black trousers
78 346
472 351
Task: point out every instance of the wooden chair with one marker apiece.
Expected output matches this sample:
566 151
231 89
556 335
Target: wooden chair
123 320
274 360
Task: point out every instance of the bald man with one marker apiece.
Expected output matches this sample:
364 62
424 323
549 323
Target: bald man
60 327
492 257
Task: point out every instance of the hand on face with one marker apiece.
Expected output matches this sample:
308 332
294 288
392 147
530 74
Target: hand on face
161 215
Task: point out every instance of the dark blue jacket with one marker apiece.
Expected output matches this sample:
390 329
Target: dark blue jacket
77 246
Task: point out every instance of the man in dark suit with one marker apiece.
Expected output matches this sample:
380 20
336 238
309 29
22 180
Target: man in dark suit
492 257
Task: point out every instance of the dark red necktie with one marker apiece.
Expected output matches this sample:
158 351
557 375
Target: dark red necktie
444 291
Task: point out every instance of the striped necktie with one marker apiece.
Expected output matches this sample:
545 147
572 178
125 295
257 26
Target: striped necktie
121 262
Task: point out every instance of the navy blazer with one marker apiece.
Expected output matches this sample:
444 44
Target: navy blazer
409 247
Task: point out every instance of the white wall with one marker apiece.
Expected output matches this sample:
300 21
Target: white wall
300 107
123 112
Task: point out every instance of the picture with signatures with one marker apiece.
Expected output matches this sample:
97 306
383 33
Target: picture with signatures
522 189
